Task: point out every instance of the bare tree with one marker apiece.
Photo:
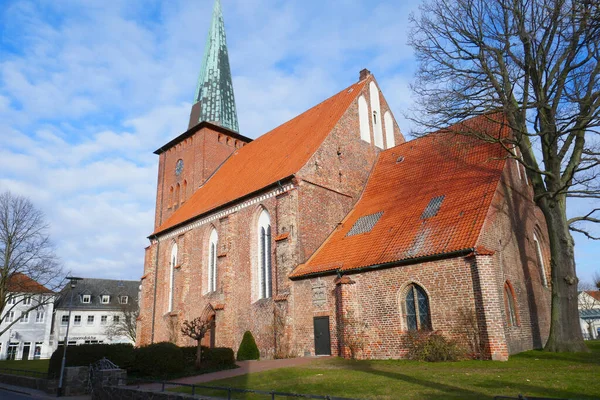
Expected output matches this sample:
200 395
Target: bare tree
196 329
126 324
536 62
30 270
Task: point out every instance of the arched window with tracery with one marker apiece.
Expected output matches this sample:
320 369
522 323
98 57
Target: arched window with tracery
173 264
212 260
512 319
264 255
416 307
540 259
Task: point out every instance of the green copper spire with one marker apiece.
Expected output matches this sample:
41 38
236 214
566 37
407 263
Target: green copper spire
214 100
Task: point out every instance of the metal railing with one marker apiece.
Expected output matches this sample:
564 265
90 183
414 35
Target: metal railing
24 372
229 391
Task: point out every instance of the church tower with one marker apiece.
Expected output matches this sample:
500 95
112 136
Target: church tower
214 100
186 162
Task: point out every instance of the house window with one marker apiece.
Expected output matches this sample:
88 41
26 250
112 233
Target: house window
116 319
27 301
77 320
90 320
124 299
212 261
172 275
12 300
417 308
10 316
509 305
105 299
540 260
86 298
37 352
24 317
39 316
264 254
103 319
64 320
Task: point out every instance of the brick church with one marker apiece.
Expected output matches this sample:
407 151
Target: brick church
331 234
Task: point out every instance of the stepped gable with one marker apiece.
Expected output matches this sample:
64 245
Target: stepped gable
426 197
274 156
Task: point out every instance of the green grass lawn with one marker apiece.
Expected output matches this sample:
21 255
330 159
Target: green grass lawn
532 373
28 365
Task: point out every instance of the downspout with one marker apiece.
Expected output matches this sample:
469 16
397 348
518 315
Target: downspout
155 287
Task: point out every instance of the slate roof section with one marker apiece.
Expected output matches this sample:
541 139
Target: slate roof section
274 156
96 288
464 170
21 283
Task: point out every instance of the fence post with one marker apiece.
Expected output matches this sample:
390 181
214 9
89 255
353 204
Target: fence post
163 387
193 390
272 395
228 393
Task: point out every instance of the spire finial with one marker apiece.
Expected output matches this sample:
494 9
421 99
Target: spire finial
214 100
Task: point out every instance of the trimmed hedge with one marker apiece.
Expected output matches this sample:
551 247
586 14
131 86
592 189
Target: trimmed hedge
248 349
121 354
216 357
159 359
153 360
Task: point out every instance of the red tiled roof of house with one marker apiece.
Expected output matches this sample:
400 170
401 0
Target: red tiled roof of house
21 283
402 213
594 293
274 156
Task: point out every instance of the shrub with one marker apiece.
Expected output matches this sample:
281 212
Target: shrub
248 349
159 359
431 346
219 357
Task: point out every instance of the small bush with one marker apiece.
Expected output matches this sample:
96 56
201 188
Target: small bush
159 359
218 357
431 346
121 354
248 349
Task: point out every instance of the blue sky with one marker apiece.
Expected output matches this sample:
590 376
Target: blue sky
88 89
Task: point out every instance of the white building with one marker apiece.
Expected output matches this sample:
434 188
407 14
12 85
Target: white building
28 316
589 313
98 306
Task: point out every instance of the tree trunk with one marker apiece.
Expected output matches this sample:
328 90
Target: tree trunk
565 331
199 356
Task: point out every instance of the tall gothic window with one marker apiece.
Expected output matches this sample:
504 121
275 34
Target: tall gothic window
540 259
264 255
212 261
173 264
417 308
509 305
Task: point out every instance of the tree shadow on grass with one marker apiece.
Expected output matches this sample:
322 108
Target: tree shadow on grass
580 358
448 391
533 390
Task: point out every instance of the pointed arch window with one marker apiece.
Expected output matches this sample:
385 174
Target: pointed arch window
416 305
170 201
212 260
540 259
177 194
512 318
264 255
173 264
184 191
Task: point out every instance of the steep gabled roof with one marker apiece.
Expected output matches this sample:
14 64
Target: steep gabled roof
21 283
425 197
272 157
595 294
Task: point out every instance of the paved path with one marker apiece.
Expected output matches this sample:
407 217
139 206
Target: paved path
245 367
10 392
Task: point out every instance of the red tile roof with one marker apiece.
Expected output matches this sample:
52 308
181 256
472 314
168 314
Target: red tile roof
594 293
406 178
274 156
21 283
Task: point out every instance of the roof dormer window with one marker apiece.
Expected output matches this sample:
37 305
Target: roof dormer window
124 299
105 299
86 298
